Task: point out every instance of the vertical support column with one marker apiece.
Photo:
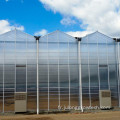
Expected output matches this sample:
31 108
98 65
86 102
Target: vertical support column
15 61
108 67
37 39
118 73
69 72
89 73
98 66
3 77
80 80
26 63
37 77
48 78
58 72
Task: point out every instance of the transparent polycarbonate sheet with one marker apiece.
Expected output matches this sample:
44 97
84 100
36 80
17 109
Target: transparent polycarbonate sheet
74 86
20 78
1 101
31 87
43 86
19 49
32 101
98 53
9 84
94 82
9 100
85 100
43 98
57 51
94 99
85 80
1 88
58 69
53 96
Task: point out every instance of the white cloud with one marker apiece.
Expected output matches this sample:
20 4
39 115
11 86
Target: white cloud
5 26
67 21
41 32
6 0
101 15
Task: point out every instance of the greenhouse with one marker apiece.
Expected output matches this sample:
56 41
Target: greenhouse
58 70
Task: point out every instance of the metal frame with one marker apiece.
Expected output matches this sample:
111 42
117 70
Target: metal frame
89 73
3 76
108 65
118 73
37 39
69 72
15 59
58 71
68 67
80 80
98 66
26 63
48 76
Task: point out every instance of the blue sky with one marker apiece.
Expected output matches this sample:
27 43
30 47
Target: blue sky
75 17
33 16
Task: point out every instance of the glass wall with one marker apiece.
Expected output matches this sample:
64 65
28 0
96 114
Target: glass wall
58 69
17 55
99 68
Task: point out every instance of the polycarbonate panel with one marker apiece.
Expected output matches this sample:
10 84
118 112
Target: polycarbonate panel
8 36
12 46
63 37
74 86
43 99
85 99
20 61
115 101
73 47
21 46
20 55
30 55
32 101
63 55
9 55
74 97
1 101
20 36
113 75
103 78
31 79
31 87
1 88
94 99
20 78
9 100
52 47
102 48
97 37
9 46
97 52
58 69
44 55
63 47
1 48
52 37
43 47
64 96
94 82
53 96
31 46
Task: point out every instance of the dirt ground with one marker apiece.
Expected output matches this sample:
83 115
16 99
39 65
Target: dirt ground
115 115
